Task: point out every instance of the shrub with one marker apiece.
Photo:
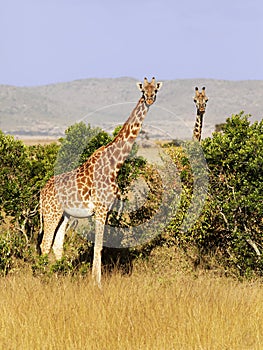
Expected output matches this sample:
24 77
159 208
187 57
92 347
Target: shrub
77 146
235 160
230 224
24 170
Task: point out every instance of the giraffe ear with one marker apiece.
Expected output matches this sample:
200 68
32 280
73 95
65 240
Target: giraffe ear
158 85
140 86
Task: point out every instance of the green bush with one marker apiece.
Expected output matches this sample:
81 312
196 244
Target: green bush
77 146
13 249
24 170
235 160
230 224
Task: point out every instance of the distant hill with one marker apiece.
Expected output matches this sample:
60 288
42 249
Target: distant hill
48 110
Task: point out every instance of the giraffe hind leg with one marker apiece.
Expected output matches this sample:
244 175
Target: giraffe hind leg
48 235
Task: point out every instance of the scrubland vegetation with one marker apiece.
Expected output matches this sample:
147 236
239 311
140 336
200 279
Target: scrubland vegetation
199 288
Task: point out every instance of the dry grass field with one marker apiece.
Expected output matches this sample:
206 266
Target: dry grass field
142 311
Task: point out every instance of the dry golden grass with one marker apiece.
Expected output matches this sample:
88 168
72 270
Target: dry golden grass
141 311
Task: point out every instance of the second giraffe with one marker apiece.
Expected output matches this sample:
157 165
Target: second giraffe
200 100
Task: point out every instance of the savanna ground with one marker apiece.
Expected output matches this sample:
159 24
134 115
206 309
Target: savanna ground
163 304
143 311
36 140
167 302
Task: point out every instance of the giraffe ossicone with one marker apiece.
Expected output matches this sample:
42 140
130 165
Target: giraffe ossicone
91 189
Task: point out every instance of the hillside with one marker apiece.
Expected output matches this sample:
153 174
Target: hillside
48 110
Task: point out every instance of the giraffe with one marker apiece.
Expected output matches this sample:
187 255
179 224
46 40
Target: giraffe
200 100
91 189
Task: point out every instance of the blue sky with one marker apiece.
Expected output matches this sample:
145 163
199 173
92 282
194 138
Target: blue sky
50 41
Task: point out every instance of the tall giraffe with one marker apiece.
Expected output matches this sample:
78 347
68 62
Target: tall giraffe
200 100
92 187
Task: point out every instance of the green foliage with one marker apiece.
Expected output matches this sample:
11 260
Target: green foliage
76 260
131 169
80 142
13 174
235 161
13 247
24 170
231 222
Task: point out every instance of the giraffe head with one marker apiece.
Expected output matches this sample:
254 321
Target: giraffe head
149 90
200 100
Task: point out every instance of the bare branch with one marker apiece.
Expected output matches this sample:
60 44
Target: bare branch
254 246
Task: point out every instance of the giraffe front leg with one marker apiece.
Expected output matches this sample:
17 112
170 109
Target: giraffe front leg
99 231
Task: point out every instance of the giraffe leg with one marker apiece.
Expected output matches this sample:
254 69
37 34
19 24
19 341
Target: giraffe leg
96 266
50 226
59 238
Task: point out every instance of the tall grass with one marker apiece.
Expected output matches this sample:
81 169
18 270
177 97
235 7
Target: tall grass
141 311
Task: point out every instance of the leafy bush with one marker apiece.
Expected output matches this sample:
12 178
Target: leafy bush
231 221
235 160
24 170
13 248
77 146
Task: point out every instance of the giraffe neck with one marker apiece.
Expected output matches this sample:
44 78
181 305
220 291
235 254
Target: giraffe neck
121 146
132 126
198 126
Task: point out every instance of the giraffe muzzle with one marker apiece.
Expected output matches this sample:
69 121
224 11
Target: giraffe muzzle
149 102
